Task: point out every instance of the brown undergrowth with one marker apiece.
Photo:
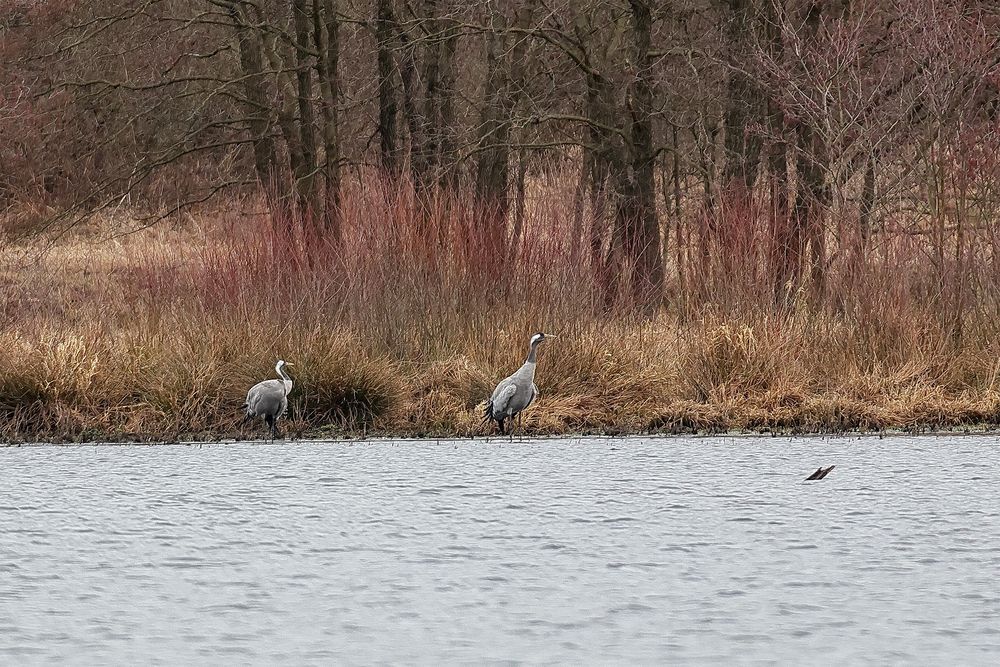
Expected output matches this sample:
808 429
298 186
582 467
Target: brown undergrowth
405 326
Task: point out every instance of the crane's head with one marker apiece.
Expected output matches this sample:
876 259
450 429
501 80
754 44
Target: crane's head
540 338
281 365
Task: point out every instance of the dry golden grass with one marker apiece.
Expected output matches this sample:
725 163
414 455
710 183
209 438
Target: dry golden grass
158 334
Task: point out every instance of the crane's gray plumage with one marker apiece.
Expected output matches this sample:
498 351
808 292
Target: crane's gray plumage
516 392
269 399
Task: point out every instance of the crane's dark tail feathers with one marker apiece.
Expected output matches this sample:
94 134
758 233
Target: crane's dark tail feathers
490 416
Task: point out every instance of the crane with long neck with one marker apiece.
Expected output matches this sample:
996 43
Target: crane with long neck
517 391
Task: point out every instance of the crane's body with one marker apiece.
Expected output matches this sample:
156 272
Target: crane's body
269 399
517 391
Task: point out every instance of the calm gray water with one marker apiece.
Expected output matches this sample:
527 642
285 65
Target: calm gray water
637 550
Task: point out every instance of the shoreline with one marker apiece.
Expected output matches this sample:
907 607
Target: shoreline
992 431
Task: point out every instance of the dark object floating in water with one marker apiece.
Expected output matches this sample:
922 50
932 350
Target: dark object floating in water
820 473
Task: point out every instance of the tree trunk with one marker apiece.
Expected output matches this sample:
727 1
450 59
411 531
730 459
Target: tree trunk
811 202
425 154
255 90
635 242
305 178
493 164
285 109
387 106
645 240
604 161
785 261
679 240
492 167
744 103
326 32
415 124
600 177
783 254
446 164
503 83
812 197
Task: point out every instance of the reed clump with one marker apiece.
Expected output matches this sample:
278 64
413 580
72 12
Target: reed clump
405 324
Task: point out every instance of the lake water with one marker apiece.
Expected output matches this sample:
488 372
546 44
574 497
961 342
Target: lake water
706 550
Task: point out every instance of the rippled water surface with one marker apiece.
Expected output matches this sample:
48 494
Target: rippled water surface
638 550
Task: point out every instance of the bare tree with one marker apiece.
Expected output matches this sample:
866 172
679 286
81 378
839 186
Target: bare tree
818 112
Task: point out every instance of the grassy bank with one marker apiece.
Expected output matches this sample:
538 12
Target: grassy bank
158 334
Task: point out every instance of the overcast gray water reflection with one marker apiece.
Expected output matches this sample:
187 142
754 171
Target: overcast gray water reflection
638 550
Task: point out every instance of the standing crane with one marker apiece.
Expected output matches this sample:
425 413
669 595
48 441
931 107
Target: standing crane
269 399
516 392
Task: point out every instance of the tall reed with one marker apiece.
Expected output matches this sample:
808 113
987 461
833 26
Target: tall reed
405 324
